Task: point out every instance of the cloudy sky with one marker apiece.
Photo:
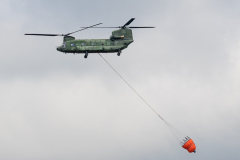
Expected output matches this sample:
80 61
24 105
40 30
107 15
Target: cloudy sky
56 107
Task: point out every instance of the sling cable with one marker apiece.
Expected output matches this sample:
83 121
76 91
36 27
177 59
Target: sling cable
185 141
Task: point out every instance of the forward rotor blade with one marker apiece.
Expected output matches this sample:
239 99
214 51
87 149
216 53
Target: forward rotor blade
44 34
102 27
83 29
130 21
140 27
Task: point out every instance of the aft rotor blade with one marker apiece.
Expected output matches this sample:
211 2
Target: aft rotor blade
83 29
130 21
140 27
44 34
119 27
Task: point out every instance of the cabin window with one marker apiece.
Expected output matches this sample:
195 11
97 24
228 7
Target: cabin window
93 44
72 44
83 44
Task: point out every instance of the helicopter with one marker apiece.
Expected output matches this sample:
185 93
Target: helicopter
118 41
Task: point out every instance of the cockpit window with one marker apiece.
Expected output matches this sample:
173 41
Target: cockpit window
64 45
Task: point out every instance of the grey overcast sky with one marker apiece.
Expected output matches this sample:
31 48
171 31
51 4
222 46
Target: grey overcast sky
56 107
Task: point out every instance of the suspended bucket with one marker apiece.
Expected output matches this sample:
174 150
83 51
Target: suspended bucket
190 146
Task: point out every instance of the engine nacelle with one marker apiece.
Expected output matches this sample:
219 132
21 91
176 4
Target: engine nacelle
114 37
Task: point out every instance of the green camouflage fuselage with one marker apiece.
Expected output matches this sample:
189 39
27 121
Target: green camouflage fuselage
119 40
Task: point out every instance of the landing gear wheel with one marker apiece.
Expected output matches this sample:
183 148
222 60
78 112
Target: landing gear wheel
119 52
86 55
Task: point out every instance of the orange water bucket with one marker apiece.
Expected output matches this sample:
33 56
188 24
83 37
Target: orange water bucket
190 146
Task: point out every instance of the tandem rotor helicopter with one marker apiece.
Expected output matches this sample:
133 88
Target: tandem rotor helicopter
118 41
